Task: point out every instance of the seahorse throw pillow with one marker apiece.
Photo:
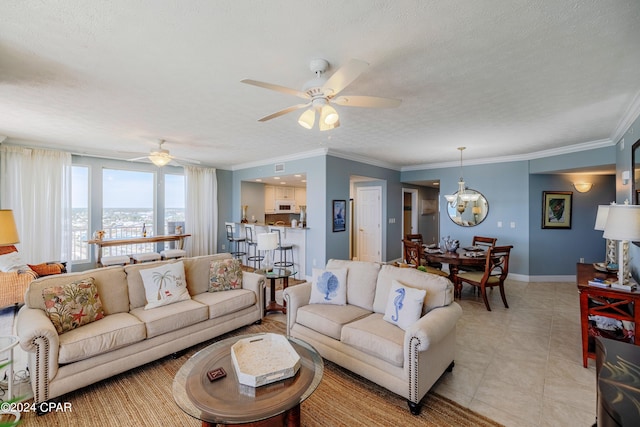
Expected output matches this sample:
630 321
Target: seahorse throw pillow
404 305
164 284
329 286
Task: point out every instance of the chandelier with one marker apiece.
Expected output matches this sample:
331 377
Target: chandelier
460 199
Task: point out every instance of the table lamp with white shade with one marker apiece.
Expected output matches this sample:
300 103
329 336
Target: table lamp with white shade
8 229
267 242
601 220
623 224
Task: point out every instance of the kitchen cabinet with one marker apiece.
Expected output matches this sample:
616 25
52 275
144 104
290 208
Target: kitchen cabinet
285 193
269 199
301 197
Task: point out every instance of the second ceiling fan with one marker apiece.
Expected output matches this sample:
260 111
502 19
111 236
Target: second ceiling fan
321 92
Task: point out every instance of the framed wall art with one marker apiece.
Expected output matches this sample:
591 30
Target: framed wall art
556 209
339 215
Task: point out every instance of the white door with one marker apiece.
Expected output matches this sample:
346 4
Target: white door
369 217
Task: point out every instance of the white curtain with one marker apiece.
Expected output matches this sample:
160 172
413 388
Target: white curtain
201 216
36 184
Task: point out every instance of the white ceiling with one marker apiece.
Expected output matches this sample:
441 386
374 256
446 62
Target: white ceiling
501 77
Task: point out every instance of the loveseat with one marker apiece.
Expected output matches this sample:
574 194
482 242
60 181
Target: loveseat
128 333
359 334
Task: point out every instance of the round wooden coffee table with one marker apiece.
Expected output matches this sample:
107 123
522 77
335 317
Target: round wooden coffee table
226 401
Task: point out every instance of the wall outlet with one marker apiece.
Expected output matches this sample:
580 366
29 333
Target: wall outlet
512 224
581 260
499 224
223 247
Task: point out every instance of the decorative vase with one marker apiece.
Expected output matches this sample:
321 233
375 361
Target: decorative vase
450 245
303 216
244 219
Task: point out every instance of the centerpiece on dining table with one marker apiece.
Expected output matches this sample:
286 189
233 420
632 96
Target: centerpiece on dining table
450 245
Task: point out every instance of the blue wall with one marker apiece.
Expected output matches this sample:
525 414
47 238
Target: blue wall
554 251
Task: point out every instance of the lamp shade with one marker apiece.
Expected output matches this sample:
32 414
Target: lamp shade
623 223
601 217
267 241
8 230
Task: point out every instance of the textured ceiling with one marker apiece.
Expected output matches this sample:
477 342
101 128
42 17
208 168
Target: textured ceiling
503 78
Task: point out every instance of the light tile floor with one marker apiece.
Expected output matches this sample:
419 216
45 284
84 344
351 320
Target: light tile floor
522 366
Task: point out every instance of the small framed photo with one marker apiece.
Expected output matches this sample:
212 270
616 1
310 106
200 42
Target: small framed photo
339 215
556 209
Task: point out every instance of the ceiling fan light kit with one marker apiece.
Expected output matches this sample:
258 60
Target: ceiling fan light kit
161 157
320 92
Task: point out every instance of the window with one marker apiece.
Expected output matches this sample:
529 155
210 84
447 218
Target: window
80 213
173 202
127 208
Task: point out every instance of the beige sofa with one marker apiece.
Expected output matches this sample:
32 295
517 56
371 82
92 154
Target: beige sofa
128 335
356 337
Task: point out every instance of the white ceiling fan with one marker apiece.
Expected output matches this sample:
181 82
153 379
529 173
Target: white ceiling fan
161 157
321 92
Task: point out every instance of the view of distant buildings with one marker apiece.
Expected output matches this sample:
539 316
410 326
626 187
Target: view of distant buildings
120 223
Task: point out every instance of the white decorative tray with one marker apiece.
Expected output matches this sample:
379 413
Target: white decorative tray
264 359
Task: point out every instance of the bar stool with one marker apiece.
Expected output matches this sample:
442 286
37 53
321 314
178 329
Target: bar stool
237 240
145 257
108 261
283 248
252 243
173 253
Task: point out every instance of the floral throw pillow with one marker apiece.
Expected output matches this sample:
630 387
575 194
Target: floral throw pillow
73 305
164 285
224 275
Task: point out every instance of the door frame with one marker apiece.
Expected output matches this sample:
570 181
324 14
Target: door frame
414 210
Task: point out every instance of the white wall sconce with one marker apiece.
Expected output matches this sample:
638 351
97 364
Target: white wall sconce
625 177
582 187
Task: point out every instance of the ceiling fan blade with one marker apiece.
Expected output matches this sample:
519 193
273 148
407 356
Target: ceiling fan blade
344 76
277 88
366 101
138 158
283 112
183 160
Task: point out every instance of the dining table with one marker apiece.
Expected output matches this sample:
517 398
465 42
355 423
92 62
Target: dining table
467 257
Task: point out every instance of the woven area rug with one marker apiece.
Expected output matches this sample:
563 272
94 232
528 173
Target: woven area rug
142 397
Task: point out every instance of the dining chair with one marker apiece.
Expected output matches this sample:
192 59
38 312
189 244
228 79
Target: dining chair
413 253
414 238
495 273
484 242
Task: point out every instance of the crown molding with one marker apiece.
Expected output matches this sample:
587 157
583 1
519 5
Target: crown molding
518 157
630 116
2 138
289 158
362 159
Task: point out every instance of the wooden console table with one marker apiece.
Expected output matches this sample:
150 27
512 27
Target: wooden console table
179 238
607 302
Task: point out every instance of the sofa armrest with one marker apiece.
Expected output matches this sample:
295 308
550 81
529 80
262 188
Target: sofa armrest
433 326
254 282
39 337
295 297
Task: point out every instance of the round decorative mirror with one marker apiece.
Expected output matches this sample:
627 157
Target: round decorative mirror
468 213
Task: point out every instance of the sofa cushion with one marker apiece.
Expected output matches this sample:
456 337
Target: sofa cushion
328 319
12 262
404 305
164 285
361 281
223 303
171 317
72 305
197 271
107 334
329 286
376 337
110 281
439 289
47 268
224 275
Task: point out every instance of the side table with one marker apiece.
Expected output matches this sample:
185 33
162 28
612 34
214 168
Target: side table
7 344
275 274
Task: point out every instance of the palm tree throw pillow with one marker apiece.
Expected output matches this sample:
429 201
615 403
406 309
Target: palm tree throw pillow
164 285
73 305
